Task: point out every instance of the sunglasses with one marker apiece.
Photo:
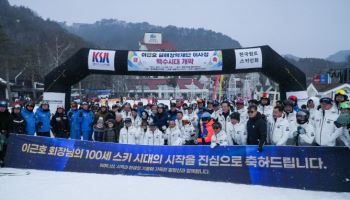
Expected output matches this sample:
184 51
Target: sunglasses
251 111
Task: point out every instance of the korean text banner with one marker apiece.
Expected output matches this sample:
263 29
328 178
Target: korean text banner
248 58
175 61
311 168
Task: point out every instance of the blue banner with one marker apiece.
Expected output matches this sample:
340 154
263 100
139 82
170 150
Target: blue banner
311 168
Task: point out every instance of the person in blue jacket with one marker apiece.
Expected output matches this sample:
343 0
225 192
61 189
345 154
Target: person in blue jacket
172 112
29 117
75 118
42 120
160 119
87 121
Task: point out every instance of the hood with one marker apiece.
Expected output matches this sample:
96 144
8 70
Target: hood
316 101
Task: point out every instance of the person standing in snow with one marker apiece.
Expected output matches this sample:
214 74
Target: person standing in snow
173 134
256 128
220 137
29 118
128 134
87 121
279 130
188 132
326 131
4 129
60 123
343 122
99 130
153 136
206 129
264 106
43 119
75 117
237 129
303 131
17 122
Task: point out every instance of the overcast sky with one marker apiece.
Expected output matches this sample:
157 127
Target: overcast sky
304 28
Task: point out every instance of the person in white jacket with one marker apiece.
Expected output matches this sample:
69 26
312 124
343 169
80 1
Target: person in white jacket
326 131
290 115
264 106
216 111
153 136
224 117
238 129
303 131
173 134
142 130
126 112
312 105
135 119
178 120
220 137
279 130
189 136
242 110
128 134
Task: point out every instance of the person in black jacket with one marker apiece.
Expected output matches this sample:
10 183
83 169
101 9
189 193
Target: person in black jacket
256 128
4 129
17 122
60 123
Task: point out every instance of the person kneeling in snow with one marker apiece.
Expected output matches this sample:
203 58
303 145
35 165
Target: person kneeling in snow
220 137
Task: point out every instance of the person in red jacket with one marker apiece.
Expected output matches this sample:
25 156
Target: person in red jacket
207 131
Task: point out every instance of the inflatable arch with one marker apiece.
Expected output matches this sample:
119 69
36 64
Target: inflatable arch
261 59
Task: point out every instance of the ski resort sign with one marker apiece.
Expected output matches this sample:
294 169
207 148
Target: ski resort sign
101 60
175 61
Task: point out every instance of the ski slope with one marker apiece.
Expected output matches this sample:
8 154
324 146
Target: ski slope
18 184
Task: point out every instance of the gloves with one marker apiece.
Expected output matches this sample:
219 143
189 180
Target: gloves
213 145
163 128
337 124
301 130
260 147
40 124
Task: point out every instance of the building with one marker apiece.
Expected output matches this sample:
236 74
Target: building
328 90
161 88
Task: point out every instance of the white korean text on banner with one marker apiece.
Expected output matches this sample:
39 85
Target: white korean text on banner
248 58
101 60
175 61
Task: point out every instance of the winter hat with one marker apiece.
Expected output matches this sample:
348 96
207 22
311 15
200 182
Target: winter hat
3 104
344 105
239 101
326 100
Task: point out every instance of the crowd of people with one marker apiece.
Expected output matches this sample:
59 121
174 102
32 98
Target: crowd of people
321 122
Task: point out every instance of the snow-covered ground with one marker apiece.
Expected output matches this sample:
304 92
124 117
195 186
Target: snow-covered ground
67 185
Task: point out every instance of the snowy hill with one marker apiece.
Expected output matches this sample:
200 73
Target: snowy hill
340 56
